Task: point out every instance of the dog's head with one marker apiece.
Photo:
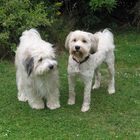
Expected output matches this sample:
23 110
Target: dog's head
41 60
80 44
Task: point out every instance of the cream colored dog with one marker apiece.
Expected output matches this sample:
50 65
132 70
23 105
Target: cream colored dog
36 71
87 52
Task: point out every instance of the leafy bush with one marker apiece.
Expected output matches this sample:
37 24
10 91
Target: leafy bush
136 11
59 30
17 16
98 4
93 14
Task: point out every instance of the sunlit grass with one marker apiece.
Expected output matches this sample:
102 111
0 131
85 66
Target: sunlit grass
110 117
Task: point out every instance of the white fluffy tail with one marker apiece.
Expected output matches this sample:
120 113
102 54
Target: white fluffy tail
30 34
109 35
106 40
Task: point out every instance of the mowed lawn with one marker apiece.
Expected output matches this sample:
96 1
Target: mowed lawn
110 117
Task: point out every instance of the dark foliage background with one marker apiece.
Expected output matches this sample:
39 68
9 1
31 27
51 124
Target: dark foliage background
54 19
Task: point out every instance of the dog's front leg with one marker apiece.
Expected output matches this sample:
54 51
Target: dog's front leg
71 81
87 93
53 99
21 87
34 100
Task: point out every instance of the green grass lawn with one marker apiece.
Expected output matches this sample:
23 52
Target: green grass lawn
110 116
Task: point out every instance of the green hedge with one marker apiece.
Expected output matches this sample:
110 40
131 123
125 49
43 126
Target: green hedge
19 15
98 4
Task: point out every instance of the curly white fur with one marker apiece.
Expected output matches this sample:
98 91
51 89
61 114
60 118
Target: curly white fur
36 71
97 48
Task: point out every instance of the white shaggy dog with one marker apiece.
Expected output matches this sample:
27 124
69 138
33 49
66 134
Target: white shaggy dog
87 52
36 71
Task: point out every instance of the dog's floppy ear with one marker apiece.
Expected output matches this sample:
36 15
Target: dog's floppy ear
94 43
29 64
67 40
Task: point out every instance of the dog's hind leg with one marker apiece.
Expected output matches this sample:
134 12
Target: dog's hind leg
97 79
110 63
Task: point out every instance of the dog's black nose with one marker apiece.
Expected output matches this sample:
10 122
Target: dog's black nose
51 67
77 48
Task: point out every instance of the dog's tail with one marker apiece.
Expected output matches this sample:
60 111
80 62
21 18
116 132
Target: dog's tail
108 34
30 35
106 40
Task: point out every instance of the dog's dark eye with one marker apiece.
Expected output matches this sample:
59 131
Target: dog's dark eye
84 41
40 59
74 40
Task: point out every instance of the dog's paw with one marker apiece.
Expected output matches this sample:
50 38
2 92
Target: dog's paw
111 90
85 108
96 86
22 98
53 106
71 101
37 105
